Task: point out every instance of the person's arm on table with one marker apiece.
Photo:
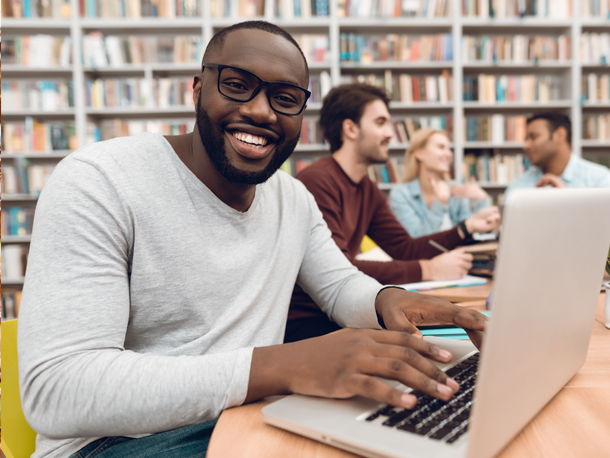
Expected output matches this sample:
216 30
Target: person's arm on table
346 363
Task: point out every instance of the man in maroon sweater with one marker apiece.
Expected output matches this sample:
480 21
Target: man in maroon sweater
356 123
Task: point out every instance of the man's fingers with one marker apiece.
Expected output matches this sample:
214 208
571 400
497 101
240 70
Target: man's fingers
399 322
392 341
371 387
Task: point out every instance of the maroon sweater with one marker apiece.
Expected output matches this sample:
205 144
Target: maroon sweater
354 210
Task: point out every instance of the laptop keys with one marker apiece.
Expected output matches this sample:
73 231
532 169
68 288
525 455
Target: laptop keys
432 417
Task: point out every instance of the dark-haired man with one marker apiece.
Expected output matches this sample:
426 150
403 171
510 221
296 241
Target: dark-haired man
161 270
548 147
356 123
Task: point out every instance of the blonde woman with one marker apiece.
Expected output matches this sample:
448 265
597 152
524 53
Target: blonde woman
425 203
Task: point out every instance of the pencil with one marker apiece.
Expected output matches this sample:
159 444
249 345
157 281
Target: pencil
438 246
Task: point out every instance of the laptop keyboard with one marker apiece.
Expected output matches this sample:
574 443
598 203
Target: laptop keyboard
441 420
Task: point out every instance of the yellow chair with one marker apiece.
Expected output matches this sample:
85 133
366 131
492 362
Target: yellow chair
18 438
367 244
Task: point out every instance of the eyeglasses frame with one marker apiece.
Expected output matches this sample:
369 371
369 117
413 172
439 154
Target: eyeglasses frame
261 83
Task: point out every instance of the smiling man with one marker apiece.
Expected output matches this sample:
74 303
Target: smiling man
356 124
548 147
161 270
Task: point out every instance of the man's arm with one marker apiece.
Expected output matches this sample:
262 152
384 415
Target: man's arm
76 377
345 363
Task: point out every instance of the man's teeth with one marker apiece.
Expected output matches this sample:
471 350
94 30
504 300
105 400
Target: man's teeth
251 139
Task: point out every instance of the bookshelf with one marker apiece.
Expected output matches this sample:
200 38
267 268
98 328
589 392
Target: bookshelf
321 37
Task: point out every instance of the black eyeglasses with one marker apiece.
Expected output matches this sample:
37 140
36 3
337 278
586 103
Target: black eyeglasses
242 86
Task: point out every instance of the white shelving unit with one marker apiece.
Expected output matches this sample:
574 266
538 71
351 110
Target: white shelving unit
570 73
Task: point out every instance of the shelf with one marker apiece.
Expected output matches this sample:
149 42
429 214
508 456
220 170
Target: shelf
526 22
153 111
313 106
141 68
519 65
491 145
142 23
595 144
410 22
596 66
386 186
42 155
595 23
38 113
419 105
395 65
17 24
16 239
317 148
20 70
18 198
603 104
520 105
12 281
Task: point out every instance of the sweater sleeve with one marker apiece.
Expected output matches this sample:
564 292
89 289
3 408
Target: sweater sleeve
77 379
343 292
404 207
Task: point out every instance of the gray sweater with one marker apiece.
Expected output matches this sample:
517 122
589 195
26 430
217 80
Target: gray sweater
145 294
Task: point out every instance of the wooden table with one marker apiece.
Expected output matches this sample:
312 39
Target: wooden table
575 423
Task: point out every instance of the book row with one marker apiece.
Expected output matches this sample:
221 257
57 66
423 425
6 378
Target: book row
101 51
17 221
32 135
319 85
595 48
596 127
139 92
38 95
409 88
315 47
504 88
11 300
596 87
555 9
393 8
497 168
291 9
24 178
391 171
595 8
136 9
56 9
37 51
496 128
112 128
14 261
515 48
395 47
405 128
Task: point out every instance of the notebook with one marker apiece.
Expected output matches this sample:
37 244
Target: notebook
547 286
466 280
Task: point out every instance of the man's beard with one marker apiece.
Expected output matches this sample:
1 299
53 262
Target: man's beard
214 144
371 151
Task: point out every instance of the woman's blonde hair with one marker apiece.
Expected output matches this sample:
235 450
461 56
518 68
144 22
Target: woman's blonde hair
418 141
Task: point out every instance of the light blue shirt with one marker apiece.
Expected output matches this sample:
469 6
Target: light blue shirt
579 173
410 208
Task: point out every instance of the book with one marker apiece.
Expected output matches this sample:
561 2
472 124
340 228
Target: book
467 280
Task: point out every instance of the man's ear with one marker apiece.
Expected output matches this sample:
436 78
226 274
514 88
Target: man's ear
197 82
560 135
350 130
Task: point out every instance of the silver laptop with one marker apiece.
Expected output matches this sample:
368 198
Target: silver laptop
546 287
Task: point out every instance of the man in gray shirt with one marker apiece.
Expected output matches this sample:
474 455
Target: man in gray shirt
161 270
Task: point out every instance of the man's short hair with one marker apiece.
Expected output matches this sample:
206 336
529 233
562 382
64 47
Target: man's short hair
218 40
555 121
346 102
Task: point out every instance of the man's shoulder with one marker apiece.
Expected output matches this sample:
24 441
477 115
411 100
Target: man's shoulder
592 167
322 168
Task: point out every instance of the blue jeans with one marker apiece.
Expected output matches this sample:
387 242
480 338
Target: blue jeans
187 442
